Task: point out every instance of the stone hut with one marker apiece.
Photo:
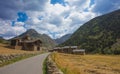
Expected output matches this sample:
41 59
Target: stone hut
79 51
69 50
58 49
72 48
66 49
26 43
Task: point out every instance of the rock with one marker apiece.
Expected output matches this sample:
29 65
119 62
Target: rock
0 62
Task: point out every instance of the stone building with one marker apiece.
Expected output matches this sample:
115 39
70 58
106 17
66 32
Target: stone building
58 49
79 51
70 50
26 43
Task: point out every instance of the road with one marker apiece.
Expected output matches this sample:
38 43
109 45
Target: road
31 65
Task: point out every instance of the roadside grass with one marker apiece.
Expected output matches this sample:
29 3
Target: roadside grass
45 66
87 64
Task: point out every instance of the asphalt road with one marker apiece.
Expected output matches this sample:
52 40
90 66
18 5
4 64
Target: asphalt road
31 65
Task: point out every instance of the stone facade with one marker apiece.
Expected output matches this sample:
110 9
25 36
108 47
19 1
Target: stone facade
26 43
70 50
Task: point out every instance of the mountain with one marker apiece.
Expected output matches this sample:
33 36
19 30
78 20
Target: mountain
2 40
47 41
99 35
62 39
1 37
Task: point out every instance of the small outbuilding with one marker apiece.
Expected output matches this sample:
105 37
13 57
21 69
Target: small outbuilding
66 49
69 49
79 51
58 49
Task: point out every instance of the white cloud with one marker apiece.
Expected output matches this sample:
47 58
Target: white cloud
60 19
55 20
56 9
79 5
105 6
19 24
8 31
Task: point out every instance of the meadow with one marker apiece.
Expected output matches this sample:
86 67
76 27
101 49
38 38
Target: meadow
87 64
5 50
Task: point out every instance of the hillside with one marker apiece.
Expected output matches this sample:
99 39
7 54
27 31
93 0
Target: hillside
62 39
2 40
99 35
47 41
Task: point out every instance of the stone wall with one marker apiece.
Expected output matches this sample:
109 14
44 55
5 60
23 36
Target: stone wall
4 59
52 67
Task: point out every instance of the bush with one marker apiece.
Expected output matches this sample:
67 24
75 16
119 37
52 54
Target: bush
116 51
108 51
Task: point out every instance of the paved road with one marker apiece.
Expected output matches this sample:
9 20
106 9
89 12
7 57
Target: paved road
31 65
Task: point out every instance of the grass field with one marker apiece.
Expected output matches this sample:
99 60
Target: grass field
4 50
87 64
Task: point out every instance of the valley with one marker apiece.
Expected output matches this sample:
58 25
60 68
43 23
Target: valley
60 37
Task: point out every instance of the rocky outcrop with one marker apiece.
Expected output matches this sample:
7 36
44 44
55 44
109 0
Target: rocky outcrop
52 67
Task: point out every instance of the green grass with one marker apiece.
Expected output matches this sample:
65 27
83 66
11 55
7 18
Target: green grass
45 66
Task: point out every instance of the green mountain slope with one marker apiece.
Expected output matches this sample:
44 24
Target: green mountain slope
99 34
2 40
47 41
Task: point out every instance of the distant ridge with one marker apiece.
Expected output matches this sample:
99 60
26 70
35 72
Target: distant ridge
62 39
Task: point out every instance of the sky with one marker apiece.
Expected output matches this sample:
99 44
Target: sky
52 17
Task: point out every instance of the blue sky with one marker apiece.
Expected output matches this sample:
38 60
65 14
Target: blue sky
53 17
57 1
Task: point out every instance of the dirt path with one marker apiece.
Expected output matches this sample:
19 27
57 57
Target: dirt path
31 65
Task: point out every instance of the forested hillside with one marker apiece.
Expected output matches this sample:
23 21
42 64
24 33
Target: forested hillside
99 35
